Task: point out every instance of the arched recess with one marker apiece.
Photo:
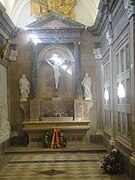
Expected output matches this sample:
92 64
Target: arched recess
45 73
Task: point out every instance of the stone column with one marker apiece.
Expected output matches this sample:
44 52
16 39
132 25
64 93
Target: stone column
78 92
33 71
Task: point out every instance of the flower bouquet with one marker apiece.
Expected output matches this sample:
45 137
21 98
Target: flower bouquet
112 163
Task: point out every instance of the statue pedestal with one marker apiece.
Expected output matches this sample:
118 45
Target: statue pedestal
56 93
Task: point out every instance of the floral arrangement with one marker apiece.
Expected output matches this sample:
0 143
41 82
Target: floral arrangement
113 162
54 138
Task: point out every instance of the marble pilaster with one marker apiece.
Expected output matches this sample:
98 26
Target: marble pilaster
33 71
78 92
109 37
4 119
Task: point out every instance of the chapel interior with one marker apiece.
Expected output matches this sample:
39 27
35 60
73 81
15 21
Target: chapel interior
66 67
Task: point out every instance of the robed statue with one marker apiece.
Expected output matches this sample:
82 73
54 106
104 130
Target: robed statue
24 86
86 83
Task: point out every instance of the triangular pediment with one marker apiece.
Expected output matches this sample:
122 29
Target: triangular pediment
55 21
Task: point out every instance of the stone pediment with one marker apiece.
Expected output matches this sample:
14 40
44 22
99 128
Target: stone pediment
55 21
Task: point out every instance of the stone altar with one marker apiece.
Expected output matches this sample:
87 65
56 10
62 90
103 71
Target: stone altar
74 120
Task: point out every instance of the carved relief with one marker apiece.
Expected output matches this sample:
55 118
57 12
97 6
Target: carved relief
50 108
45 108
78 110
86 108
4 123
82 108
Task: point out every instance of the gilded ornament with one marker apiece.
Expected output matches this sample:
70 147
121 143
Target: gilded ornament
43 7
5 49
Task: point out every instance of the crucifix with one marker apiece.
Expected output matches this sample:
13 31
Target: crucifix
55 62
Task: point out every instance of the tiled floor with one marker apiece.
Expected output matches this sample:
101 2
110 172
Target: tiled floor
58 165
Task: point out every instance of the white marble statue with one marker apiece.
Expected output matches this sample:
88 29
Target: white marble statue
56 71
56 75
24 86
86 83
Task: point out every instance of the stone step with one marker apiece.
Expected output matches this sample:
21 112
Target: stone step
73 146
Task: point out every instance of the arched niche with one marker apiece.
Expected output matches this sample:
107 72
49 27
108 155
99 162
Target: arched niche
45 73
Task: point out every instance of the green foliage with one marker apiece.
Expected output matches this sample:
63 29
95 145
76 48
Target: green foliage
47 140
113 163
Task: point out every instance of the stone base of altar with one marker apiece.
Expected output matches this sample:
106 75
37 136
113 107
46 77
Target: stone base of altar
70 116
73 130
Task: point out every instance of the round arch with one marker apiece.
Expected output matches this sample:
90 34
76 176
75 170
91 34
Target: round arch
61 50
45 72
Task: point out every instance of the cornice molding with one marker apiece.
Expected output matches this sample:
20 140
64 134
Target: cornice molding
57 17
56 28
106 8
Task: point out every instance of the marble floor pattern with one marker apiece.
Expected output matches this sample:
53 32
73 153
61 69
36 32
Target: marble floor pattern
59 166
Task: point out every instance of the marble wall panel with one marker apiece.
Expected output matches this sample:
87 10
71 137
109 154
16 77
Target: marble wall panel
65 108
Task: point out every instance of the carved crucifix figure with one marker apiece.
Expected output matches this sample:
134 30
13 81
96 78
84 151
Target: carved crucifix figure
56 69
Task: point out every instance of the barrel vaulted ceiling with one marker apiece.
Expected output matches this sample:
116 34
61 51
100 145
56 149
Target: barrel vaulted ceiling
19 11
